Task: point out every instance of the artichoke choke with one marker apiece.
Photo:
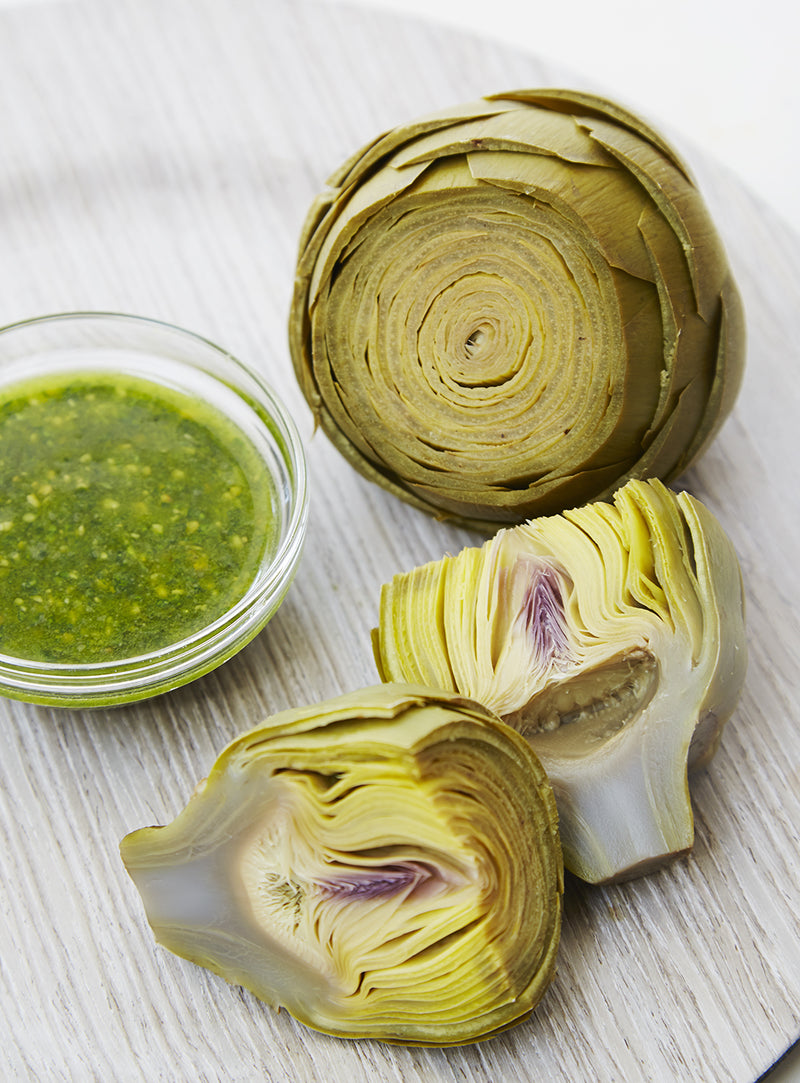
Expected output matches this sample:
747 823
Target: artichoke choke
512 307
385 864
612 637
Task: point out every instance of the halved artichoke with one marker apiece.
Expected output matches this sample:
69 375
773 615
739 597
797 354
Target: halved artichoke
512 307
385 864
612 637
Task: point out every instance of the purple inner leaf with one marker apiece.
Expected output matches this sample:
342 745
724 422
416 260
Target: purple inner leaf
542 613
381 882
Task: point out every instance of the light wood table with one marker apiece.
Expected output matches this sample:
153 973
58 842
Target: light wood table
158 156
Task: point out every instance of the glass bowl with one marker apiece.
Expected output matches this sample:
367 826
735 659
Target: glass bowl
163 384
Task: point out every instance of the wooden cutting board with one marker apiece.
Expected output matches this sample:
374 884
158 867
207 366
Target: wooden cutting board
158 156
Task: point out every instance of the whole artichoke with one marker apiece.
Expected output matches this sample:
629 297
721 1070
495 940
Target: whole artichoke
514 306
385 864
612 637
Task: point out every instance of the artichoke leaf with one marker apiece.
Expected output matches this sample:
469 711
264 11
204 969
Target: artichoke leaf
533 129
582 104
507 309
386 864
611 637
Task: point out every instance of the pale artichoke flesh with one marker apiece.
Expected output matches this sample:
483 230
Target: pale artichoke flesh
512 307
386 864
612 637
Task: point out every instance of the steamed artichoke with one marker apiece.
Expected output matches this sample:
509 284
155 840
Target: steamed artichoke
612 637
512 307
384 865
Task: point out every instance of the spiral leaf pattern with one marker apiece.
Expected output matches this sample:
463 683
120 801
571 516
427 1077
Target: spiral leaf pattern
514 306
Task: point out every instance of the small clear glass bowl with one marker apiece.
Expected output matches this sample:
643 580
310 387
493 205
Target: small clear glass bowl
186 363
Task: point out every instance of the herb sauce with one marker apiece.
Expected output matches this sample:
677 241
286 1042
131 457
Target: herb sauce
131 516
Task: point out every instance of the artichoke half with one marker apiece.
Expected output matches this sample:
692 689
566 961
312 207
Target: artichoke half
512 307
612 637
385 864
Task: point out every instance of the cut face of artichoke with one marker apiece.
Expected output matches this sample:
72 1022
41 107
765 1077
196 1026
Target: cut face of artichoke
612 637
386 865
512 307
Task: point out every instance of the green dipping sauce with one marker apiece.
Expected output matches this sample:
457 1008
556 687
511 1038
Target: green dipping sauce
131 516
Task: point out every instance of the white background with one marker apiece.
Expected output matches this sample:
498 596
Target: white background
720 73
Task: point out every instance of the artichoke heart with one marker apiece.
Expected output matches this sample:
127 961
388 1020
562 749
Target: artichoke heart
514 306
612 638
385 864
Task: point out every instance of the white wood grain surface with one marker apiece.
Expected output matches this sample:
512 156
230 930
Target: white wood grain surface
158 156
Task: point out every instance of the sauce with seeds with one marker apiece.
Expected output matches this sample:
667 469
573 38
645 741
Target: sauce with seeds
131 516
